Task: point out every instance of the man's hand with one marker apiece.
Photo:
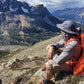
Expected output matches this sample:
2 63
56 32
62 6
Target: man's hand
50 52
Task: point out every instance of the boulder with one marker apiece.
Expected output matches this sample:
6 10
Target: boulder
13 63
2 66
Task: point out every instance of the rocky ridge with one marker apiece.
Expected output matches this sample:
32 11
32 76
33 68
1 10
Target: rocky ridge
76 14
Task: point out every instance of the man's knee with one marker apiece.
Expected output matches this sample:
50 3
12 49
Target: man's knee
51 64
54 67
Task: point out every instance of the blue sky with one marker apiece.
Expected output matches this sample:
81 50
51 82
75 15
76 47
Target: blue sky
57 4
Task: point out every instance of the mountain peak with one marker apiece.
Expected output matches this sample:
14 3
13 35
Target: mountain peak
39 6
40 10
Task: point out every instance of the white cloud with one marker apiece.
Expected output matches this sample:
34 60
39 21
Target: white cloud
57 4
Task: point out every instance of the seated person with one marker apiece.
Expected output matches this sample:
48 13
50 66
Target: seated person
66 60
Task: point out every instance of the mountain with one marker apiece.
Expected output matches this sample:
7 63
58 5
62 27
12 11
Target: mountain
21 23
76 14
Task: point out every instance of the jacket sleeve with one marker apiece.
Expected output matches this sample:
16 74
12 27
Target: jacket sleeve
67 53
59 44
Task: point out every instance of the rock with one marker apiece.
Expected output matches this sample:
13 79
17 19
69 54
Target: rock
13 63
5 33
38 76
61 78
2 66
18 80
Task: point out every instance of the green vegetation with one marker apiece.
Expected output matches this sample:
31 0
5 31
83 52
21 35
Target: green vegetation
7 56
77 78
3 53
31 38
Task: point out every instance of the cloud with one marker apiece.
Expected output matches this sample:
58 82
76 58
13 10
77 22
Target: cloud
57 4
71 4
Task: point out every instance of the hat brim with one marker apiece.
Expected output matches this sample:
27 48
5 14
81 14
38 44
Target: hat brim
61 26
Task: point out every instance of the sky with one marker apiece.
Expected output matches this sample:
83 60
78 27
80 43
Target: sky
53 5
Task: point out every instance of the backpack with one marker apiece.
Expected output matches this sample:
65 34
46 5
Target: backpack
79 67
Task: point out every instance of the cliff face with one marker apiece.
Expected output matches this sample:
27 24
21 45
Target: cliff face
16 17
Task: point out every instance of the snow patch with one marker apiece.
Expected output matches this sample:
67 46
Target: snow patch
25 10
13 10
48 21
32 9
0 12
29 5
3 1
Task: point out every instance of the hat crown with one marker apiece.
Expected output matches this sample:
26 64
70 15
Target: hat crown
68 23
68 26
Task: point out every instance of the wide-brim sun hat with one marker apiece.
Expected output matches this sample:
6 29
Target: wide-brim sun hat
68 26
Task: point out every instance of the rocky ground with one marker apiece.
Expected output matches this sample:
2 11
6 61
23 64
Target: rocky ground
23 66
61 78
12 47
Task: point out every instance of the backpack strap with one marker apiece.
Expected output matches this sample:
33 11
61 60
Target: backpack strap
72 39
74 61
82 41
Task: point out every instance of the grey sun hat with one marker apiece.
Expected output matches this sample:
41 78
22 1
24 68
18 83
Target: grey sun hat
68 26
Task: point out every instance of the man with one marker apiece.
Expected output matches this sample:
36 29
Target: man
68 57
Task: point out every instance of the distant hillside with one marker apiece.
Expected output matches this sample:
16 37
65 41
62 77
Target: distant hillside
23 24
76 14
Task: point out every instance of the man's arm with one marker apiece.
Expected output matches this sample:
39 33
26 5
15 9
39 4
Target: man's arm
67 53
51 48
59 44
